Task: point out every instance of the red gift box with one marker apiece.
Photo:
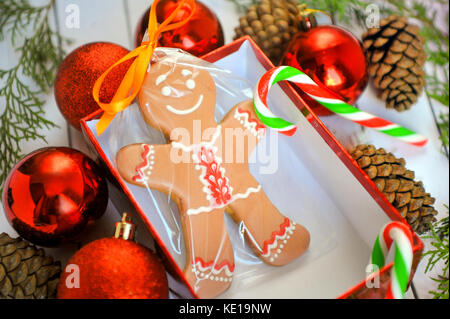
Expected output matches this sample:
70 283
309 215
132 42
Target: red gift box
124 199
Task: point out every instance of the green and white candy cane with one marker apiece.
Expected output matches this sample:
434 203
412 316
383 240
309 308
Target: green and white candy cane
400 235
325 98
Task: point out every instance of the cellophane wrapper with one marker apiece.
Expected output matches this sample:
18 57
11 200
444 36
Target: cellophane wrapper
168 96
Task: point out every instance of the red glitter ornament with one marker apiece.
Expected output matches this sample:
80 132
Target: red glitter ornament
78 73
202 34
52 194
114 268
331 56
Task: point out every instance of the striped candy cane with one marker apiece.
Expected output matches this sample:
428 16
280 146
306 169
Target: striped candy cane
326 99
400 235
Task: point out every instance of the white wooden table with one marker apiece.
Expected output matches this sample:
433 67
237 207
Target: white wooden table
116 20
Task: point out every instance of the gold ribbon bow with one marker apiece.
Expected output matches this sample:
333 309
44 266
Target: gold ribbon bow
132 81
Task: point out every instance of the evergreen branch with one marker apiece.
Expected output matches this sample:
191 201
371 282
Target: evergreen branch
39 56
443 126
439 252
17 16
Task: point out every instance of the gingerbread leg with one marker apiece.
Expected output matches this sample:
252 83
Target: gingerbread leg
209 254
275 239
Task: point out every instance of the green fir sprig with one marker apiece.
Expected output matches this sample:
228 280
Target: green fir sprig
443 126
23 86
439 252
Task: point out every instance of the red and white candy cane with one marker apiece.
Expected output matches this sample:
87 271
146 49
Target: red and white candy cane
326 99
400 235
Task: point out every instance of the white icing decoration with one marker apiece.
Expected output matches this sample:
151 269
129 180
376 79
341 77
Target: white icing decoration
160 79
186 72
274 245
201 177
146 171
190 84
184 112
224 268
190 148
249 191
207 209
166 91
210 145
251 126
208 272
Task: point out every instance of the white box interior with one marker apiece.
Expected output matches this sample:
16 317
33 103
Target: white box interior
321 193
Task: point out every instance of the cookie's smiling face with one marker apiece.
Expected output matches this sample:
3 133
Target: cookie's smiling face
169 90
174 94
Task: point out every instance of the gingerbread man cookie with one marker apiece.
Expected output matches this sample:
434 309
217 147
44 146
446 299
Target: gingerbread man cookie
204 168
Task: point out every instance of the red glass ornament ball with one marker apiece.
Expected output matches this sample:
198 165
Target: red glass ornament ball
202 34
112 268
331 56
78 73
53 193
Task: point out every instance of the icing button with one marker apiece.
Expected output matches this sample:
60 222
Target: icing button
165 91
190 84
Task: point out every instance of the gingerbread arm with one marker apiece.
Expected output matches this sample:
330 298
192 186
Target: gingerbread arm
147 165
246 129
245 115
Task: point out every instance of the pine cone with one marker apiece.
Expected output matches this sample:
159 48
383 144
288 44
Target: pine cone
396 57
272 24
25 271
398 185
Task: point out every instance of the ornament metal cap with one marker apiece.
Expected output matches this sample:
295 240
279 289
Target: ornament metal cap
306 17
125 229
